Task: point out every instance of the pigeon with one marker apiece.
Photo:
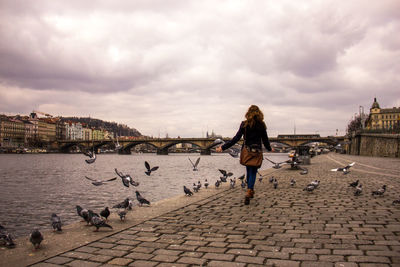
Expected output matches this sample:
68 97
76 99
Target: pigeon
187 191
105 213
234 152
225 173
292 182
345 169
36 238
358 190
126 179
354 184
232 183
241 177
309 188
315 183
206 184
275 183
6 238
141 199
222 179
303 170
122 214
123 205
277 165
199 184
217 184
92 157
83 213
380 191
272 179
243 184
56 222
195 164
397 201
97 222
100 182
195 188
149 170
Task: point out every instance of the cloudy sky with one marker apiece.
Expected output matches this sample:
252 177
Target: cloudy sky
184 67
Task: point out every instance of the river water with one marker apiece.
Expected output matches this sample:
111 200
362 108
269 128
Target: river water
33 186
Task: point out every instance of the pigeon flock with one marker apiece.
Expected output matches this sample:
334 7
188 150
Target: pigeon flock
101 220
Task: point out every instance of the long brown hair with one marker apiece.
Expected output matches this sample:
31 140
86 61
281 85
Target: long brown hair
253 115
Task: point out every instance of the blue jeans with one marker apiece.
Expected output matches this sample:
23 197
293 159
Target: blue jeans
251 176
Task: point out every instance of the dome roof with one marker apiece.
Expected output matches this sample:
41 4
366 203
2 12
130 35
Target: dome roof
375 104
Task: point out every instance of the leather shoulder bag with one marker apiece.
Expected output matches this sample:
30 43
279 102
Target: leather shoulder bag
250 155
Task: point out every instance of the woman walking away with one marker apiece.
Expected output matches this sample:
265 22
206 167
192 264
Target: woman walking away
254 131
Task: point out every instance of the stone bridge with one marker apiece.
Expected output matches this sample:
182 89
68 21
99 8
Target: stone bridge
203 144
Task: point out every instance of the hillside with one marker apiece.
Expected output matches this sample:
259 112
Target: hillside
112 127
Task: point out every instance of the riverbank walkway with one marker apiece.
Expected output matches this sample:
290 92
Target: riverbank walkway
281 227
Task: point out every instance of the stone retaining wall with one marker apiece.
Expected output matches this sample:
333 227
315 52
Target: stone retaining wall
377 145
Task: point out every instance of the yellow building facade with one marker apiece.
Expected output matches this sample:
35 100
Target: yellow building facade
383 118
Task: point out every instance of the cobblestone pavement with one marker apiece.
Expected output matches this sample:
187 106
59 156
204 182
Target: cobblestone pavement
281 227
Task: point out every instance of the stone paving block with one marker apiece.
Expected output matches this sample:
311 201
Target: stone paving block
211 249
331 258
102 245
192 261
218 256
77 255
274 255
59 260
216 263
346 264
369 259
82 263
347 252
139 256
112 252
283 263
120 261
101 258
316 264
45 264
250 259
143 263
86 249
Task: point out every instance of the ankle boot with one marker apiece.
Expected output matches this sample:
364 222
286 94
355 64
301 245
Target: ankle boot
247 197
251 193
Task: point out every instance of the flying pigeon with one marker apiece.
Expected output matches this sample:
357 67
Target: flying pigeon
234 152
358 190
36 238
105 213
149 170
187 191
225 173
277 165
354 184
345 169
195 164
380 191
126 179
92 157
141 199
6 238
100 182
56 222
97 222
